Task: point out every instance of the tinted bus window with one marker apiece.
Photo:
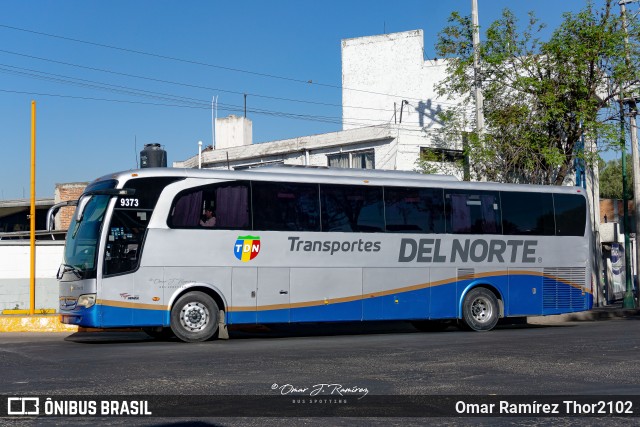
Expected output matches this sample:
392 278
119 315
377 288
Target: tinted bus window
527 213
571 214
472 212
227 202
414 210
281 206
352 208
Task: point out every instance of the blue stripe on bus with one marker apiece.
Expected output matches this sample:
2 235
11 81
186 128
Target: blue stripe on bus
522 295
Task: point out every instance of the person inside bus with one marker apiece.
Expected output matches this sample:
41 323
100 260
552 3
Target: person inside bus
208 219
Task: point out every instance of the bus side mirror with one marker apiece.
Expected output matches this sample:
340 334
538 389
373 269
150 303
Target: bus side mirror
82 203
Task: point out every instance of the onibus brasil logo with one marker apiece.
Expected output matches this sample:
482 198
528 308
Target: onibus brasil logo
246 248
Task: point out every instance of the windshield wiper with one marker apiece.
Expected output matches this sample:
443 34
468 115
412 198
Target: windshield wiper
65 268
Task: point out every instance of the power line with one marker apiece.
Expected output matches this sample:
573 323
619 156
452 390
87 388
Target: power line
204 64
238 109
204 105
257 95
193 102
185 84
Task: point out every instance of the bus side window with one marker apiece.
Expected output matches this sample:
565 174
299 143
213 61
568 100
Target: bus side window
229 201
414 210
571 214
354 208
282 206
527 213
472 212
126 232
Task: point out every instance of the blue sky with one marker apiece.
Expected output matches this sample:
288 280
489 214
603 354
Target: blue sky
267 49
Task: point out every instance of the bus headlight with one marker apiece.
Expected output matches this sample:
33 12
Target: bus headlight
87 300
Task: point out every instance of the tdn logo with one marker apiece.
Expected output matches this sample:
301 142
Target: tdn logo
246 248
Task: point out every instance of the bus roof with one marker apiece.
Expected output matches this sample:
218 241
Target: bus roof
350 172
328 175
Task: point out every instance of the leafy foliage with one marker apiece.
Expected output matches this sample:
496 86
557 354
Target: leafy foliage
611 179
541 98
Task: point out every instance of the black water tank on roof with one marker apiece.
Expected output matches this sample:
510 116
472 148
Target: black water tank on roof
153 156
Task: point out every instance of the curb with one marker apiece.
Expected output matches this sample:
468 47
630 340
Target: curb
48 323
43 323
596 314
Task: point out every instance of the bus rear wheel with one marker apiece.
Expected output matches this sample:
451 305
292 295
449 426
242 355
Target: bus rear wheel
480 310
194 317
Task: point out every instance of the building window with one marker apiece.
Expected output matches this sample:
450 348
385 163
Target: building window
353 159
442 155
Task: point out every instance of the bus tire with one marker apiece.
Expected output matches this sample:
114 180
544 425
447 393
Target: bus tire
480 310
194 317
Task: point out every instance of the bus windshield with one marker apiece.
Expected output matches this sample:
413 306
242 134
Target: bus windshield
84 232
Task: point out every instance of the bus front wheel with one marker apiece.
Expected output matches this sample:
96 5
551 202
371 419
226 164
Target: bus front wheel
480 310
194 317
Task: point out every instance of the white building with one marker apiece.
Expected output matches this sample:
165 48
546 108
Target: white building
389 112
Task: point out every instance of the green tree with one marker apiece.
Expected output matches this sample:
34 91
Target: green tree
541 98
611 179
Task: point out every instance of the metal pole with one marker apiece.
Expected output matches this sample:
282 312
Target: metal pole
636 194
629 301
628 296
214 119
476 68
32 216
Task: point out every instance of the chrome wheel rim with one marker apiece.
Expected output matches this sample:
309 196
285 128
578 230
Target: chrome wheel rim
481 310
194 316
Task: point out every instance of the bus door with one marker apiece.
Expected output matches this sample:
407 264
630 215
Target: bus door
273 295
122 251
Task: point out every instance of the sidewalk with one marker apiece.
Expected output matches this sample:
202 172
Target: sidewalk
51 322
613 311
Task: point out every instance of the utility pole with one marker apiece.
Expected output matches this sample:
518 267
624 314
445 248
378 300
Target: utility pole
629 301
476 69
32 215
628 296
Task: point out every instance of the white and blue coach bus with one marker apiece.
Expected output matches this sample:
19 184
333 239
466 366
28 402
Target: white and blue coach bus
292 245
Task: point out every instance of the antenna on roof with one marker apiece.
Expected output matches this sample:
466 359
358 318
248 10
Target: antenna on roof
135 149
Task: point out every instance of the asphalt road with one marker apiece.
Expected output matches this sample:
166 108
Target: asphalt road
573 359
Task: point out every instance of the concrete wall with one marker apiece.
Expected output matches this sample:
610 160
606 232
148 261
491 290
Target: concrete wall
379 71
233 131
14 274
386 80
